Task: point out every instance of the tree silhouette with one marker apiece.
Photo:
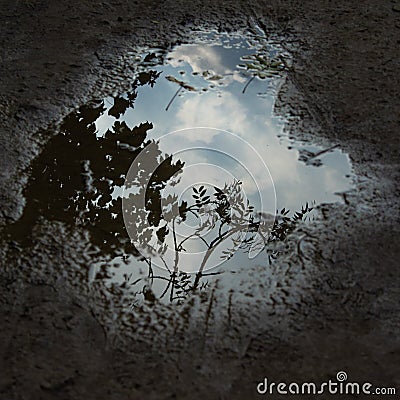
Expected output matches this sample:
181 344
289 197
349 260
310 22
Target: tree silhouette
225 212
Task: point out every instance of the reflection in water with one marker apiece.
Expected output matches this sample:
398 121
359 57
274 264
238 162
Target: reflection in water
186 209
74 178
226 224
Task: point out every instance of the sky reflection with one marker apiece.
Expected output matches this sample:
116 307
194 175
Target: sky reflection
217 101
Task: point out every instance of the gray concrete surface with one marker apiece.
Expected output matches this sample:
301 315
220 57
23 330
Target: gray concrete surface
339 309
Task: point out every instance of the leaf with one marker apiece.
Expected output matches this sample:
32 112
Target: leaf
149 295
135 136
215 77
161 233
88 114
181 83
183 210
120 106
147 78
149 57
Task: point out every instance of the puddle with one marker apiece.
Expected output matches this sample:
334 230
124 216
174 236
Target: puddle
208 164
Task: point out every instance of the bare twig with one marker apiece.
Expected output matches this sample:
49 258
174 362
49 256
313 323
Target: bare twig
248 83
173 98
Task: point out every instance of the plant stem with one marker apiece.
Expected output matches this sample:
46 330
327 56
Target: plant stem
173 98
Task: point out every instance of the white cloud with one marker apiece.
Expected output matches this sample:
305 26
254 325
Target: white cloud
202 58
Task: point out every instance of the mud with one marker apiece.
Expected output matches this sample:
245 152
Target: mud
333 303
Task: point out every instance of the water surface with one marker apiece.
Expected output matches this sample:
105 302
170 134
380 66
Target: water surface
197 160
